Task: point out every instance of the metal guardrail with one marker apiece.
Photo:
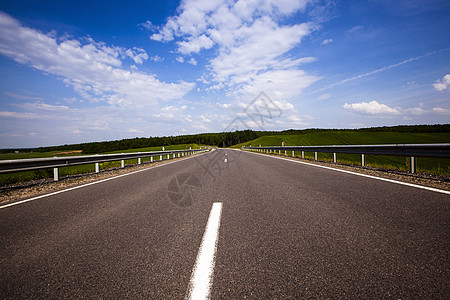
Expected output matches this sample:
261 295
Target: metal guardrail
411 150
19 165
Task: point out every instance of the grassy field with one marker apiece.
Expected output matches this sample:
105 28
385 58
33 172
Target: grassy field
73 170
425 165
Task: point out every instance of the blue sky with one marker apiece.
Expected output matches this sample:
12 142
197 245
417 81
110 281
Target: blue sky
81 71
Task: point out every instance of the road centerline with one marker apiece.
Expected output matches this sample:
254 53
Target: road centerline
203 271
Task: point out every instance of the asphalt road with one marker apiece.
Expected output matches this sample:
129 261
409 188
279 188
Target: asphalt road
287 231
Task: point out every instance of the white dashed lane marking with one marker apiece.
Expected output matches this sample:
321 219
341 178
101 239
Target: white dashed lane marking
202 274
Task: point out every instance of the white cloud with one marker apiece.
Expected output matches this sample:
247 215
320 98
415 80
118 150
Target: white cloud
42 106
16 115
442 84
156 58
260 48
147 25
195 44
440 110
192 61
13 95
250 43
415 111
278 84
261 113
371 108
323 97
327 41
133 130
92 68
204 118
138 55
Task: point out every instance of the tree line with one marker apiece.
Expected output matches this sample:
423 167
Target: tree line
221 139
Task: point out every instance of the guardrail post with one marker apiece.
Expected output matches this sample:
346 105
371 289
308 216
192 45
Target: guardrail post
97 168
151 159
315 155
178 154
293 153
334 158
363 160
160 157
122 163
285 152
279 152
303 154
168 156
139 161
413 164
55 174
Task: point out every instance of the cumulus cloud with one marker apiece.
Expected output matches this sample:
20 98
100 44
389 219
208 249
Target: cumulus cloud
138 55
442 84
156 58
147 25
371 108
249 43
192 61
327 41
195 44
92 68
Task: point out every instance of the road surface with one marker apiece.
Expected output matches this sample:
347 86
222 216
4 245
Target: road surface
284 230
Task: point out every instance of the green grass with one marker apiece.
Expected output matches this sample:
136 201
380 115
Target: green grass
349 138
12 178
424 165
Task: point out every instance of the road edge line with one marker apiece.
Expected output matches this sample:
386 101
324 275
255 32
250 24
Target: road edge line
359 174
94 182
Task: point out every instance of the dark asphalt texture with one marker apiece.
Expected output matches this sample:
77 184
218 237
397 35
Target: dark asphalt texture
288 231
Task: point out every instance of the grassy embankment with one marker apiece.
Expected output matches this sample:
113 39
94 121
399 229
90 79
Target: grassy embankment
73 170
425 165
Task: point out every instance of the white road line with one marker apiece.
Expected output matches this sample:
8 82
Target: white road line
202 274
95 182
360 174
